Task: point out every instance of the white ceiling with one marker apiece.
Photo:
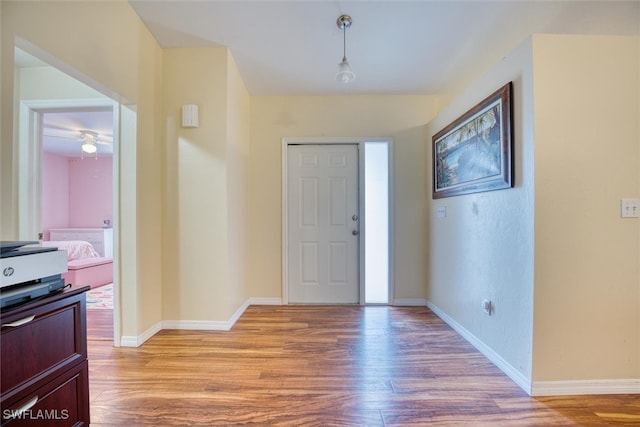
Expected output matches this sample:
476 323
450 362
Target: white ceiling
62 131
394 47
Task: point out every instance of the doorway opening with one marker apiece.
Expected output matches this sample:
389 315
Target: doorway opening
64 189
373 220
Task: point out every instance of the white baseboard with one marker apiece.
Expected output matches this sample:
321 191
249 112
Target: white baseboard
517 377
564 388
265 301
410 302
137 341
197 325
542 388
201 325
232 321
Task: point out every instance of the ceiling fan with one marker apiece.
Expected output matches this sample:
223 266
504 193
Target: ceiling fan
89 140
86 140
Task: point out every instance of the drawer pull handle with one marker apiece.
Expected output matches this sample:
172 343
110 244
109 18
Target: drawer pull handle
24 408
20 322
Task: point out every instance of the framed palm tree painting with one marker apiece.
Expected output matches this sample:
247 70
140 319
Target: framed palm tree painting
474 152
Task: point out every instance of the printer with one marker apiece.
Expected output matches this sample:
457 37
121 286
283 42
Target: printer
29 271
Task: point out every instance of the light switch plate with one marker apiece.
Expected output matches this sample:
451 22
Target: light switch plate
442 211
630 208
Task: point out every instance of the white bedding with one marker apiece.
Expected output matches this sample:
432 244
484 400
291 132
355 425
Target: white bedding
76 249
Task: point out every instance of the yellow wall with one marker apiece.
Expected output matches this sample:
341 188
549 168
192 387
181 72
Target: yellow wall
128 63
552 253
586 157
48 83
399 117
238 155
483 248
195 228
206 203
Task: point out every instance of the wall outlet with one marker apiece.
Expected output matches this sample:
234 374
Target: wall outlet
442 211
630 208
487 307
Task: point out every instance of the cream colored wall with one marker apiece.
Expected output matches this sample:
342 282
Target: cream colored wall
196 261
587 159
8 185
207 201
123 64
400 117
49 83
553 254
483 248
238 121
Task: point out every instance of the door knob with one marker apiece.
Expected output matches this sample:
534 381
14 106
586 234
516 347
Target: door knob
355 232
354 217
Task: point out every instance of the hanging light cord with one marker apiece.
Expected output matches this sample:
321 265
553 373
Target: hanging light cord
344 42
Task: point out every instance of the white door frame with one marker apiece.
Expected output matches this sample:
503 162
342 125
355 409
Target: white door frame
30 157
362 226
30 176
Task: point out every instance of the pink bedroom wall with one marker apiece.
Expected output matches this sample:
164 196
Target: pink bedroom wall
55 192
90 191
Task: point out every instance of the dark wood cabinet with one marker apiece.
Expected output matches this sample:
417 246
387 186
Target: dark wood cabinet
44 378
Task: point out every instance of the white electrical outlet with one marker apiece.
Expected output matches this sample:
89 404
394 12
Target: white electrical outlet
442 211
630 208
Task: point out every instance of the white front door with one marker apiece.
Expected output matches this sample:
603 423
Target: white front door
323 232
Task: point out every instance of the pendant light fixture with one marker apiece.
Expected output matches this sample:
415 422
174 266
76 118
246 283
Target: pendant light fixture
344 74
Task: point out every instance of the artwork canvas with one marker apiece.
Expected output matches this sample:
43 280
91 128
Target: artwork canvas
473 153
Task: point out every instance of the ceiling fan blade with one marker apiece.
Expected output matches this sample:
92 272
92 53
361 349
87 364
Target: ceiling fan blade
60 132
75 138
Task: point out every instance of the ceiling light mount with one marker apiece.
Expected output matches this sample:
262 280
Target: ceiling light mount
89 137
344 74
344 21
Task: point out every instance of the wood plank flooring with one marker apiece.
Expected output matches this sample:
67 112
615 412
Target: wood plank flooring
323 366
100 325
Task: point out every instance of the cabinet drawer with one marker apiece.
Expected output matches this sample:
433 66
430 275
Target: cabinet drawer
51 339
63 401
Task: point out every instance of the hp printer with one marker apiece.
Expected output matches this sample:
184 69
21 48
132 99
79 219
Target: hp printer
29 271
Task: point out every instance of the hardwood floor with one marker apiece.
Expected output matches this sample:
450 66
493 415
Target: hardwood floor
338 365
100 325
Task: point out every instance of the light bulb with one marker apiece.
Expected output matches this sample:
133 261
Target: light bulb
89 147
345 74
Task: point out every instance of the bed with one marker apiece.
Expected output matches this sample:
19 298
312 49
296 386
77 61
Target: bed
85 265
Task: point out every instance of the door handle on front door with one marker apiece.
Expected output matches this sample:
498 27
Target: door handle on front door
355 232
